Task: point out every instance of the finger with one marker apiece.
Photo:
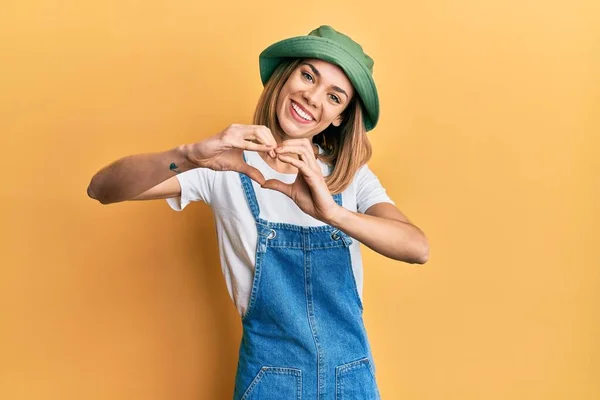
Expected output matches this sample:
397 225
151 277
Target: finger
252 173
262 137
261 133
270 138
246 145
247 137
304 153
300 150
279 186
304 142
301 165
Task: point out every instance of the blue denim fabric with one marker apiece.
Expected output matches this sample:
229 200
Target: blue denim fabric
303 332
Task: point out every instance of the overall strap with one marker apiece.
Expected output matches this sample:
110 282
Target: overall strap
338 199
250 194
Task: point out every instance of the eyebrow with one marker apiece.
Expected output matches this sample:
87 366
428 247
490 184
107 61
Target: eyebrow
318 74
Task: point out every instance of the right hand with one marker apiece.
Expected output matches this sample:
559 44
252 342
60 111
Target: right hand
223 151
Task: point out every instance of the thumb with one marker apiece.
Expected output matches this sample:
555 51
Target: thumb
253 173
279 186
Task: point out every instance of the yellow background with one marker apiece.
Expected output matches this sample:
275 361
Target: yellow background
488 141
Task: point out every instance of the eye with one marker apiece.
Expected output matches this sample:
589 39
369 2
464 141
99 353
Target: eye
307 76
334 98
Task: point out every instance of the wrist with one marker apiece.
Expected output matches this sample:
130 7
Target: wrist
197 154
337 216
184 154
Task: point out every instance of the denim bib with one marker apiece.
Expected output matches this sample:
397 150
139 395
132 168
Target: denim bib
303 331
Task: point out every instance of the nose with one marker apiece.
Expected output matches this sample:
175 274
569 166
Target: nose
312 96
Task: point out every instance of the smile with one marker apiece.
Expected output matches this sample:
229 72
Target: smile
300 114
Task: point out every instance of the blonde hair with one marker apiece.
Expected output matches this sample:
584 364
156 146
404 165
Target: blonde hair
347 147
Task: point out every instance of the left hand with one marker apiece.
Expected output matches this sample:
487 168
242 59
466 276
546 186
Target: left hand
309 191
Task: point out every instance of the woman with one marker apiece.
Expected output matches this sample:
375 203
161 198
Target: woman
292 198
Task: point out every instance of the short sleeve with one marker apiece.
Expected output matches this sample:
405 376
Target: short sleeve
369 190
196 185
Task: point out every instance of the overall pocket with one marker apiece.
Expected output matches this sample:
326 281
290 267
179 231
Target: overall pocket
355 381
273 383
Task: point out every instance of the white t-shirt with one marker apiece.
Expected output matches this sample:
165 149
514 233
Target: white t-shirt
236 228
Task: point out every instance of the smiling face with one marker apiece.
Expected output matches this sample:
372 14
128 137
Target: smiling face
313 97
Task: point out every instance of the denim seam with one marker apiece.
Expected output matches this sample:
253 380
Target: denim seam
296 245
331 245
279 371
310 310
293 245
298 228
343 369
255 281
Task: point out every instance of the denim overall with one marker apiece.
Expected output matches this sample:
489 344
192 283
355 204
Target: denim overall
303 333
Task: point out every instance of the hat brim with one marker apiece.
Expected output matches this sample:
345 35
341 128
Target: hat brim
327 50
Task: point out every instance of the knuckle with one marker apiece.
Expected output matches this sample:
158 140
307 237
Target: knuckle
229 130
266 132
227 137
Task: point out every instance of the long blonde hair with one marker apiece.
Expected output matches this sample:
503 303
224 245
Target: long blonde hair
347 147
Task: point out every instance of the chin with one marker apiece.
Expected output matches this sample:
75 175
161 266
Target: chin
295 132
290 128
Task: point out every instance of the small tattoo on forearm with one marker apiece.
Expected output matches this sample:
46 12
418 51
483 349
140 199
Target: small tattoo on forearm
173 167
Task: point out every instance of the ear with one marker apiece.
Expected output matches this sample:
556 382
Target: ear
337 121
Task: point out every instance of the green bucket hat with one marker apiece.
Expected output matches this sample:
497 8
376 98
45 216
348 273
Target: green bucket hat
325 43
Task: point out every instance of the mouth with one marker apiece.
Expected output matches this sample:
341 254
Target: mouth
300 114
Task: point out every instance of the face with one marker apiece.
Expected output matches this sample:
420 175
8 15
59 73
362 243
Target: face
313 97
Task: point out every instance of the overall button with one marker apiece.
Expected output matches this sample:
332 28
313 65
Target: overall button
272 234
335 235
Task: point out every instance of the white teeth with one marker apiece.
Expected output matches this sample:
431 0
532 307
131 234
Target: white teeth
301 113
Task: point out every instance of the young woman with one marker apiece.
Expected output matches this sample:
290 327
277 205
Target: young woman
293 198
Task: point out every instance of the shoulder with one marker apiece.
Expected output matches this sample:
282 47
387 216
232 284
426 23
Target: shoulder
364 175
369 190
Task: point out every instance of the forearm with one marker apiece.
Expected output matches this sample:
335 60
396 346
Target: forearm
399 240
129 176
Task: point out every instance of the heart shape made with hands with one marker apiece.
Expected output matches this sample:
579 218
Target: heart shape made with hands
300 181
309 190
252 172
